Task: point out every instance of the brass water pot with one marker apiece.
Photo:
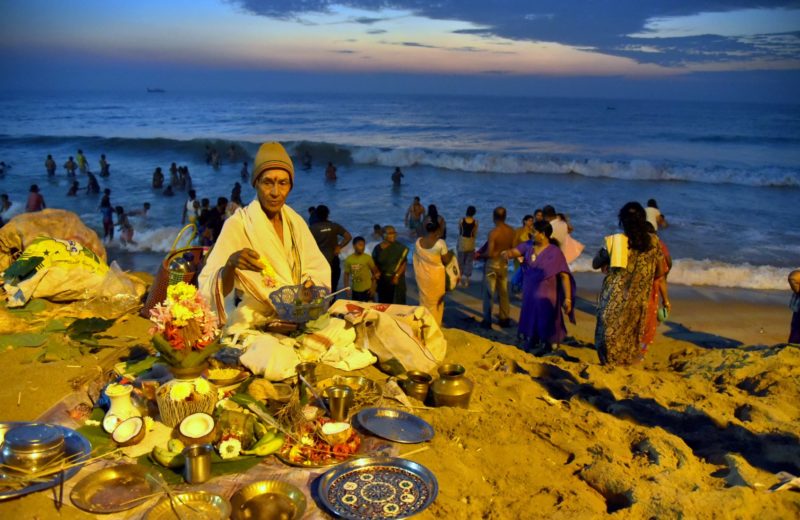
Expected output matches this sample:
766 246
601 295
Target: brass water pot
452 388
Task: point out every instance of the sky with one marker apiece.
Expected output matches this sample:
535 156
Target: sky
698 49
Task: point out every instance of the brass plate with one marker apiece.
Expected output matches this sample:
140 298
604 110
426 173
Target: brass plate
241 376
268 499
114 489
191 506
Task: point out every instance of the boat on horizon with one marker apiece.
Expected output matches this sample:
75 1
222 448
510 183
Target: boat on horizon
156 90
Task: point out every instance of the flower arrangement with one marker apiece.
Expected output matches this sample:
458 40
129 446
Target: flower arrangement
184 327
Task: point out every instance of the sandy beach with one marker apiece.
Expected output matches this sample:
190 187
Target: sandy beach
699 430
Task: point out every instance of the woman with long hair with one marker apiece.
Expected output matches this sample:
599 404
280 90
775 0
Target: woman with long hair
430 257
547 288
632 260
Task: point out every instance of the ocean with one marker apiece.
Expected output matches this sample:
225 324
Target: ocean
725 175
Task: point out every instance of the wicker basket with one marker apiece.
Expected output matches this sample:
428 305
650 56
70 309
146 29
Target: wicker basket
289 307
194 257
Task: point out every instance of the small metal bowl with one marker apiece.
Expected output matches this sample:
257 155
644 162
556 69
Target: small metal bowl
30 447
268 499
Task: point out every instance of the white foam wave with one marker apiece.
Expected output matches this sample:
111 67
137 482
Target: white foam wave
637 169
687 271
158 240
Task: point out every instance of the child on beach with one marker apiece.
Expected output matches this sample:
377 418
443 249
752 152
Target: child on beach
125 227
360 272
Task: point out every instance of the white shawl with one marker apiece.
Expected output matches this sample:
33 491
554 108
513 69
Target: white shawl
295 259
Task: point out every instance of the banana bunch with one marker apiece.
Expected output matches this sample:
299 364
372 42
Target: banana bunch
169 456
268 444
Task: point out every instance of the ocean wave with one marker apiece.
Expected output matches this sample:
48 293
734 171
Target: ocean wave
687 271
468 161
745 139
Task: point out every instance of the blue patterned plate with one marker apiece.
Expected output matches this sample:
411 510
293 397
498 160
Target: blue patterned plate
376 488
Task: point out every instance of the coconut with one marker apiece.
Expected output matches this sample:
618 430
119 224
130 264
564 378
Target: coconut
110 423
335 432
197 428
129 432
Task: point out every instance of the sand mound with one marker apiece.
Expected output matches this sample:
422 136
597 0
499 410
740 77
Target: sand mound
563 439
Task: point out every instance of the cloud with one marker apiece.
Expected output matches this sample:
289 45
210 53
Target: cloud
628 28
344 51
376 31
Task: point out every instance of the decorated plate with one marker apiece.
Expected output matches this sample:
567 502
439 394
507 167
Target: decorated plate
373 488
395 425
76 448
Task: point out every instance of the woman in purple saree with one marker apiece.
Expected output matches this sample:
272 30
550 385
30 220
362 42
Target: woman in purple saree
547 288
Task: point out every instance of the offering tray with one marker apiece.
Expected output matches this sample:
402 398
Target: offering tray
395 425
371 488
76 449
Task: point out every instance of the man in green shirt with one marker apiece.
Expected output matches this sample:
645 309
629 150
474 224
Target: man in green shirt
360 272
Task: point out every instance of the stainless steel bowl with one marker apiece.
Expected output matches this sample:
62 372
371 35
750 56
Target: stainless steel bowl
32 446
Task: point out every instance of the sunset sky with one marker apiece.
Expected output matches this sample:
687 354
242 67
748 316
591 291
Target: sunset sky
690 48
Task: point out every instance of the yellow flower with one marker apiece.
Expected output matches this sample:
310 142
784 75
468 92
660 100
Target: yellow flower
181 314
201 386
268 273
180 391
181 291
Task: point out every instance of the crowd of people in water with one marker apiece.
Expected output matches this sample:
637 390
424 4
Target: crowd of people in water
633 298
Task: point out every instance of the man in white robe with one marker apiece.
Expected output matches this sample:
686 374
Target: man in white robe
265 233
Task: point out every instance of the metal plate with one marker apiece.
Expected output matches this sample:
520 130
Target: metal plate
114 489
192 505
373 488
395 425
268 499
238 378
76 448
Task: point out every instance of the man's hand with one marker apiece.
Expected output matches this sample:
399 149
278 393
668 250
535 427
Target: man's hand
245 260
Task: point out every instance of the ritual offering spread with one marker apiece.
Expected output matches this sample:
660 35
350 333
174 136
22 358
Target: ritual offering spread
268 499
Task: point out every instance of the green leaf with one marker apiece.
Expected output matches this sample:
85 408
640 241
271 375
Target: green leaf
33 306
22 268
23 339
88 326
55 326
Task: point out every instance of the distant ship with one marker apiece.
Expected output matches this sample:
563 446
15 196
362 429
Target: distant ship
156 90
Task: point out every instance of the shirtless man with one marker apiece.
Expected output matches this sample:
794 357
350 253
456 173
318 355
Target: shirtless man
414 217
495 273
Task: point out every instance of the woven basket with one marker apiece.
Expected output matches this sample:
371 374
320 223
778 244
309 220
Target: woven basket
165 277
286 301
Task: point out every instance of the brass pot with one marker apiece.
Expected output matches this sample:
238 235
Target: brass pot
417 384
452 388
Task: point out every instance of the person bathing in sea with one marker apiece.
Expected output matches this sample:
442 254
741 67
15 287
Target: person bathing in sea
73 189
414 217
330 172
105 168
83 164
70 166
35 200
397 177
125 227
50 165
